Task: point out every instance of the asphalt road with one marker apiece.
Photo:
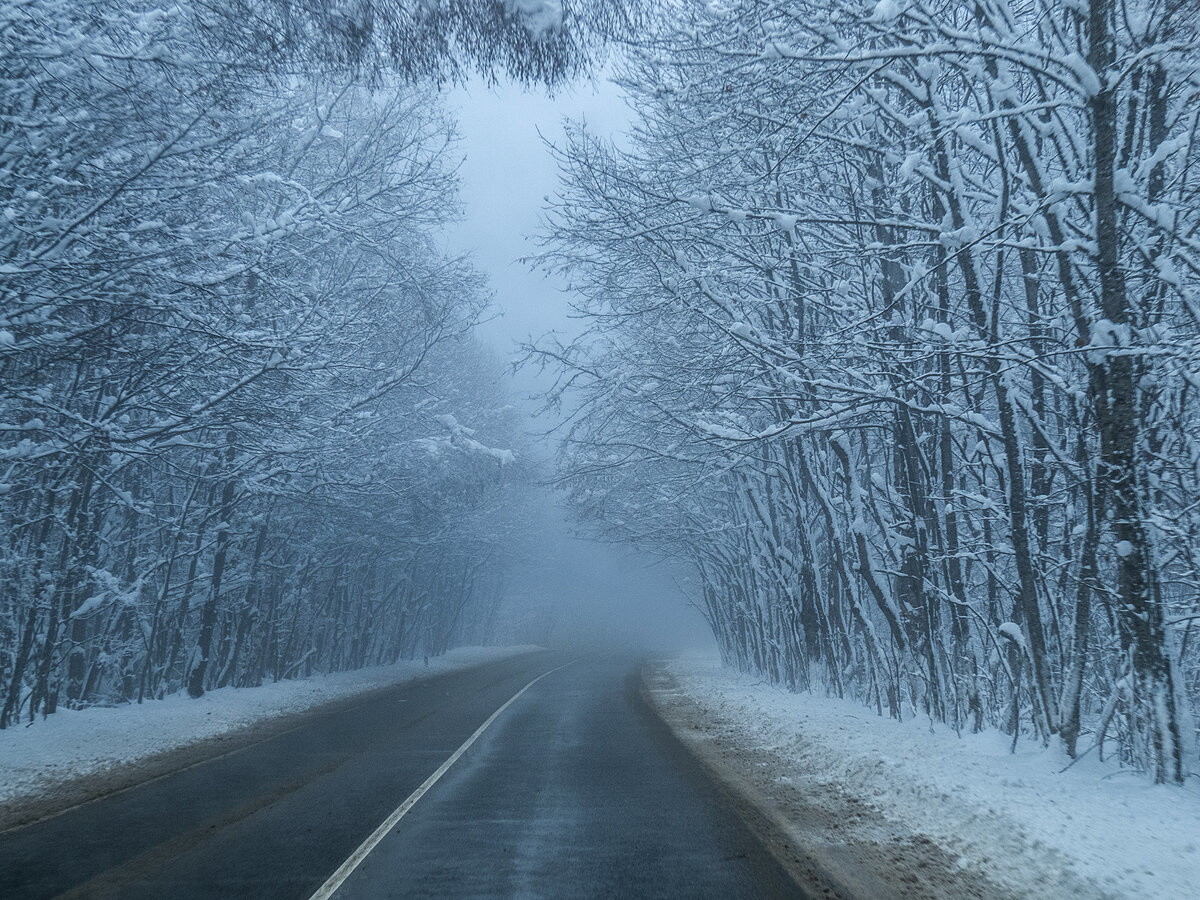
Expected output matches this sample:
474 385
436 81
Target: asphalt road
571 792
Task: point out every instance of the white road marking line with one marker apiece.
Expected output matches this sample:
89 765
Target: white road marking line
327 890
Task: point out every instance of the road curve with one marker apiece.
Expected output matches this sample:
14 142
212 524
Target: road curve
569 793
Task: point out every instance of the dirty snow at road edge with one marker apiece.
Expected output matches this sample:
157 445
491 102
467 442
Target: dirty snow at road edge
1016 816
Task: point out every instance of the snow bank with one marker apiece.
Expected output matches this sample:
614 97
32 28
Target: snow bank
1018 817
71 743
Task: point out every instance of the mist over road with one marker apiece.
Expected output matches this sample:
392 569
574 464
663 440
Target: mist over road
569 792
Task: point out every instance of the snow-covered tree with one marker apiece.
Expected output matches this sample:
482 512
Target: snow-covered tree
899 299
229 347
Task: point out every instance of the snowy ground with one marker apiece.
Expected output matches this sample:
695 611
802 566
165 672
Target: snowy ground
38 759
1015 821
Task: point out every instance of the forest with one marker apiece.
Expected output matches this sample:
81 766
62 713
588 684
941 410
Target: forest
245 430
890 333
893 332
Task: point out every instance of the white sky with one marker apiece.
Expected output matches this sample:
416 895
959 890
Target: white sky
505 176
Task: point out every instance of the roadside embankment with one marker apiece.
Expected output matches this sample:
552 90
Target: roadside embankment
910 809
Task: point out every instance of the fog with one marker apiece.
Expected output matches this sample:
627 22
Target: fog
566 589
563 587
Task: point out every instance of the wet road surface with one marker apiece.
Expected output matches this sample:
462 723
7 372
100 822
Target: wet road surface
571 792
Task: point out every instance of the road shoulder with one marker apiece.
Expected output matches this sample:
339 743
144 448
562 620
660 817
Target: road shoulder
833 842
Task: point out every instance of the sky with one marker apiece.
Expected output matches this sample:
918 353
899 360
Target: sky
608 592
506 173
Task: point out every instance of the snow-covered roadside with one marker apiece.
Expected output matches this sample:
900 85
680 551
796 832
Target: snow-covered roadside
72 743
1016 819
